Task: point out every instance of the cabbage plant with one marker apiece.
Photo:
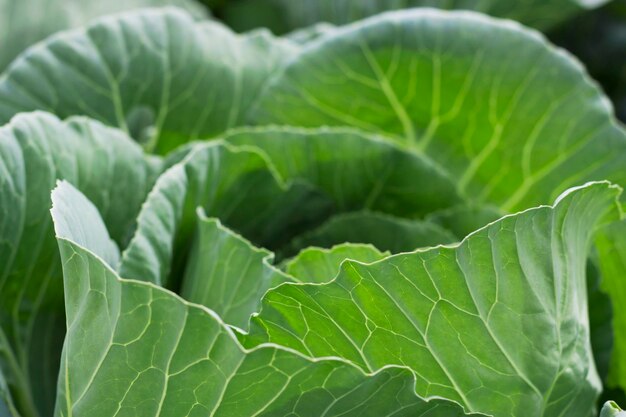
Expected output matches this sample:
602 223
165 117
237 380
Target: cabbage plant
417 214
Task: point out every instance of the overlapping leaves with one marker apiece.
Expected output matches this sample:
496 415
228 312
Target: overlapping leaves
514 121
460 120
194 365
35 151
156 74
453 316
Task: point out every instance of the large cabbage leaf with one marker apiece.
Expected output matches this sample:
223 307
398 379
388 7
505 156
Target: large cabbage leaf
514 120
458 324
461 119
133 347
498 323
36 150
156 74
470 92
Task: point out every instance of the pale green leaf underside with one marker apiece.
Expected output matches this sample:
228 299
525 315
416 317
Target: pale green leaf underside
23 23
135 348
155 73
514 120
35 150
498 323
74 216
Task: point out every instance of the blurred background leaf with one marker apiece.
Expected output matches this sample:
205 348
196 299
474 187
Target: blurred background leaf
25 22
598 39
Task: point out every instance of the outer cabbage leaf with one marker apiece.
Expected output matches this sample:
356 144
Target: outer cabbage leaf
133 347
498 323
23 23
555 268
35 150
514 120
157 74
